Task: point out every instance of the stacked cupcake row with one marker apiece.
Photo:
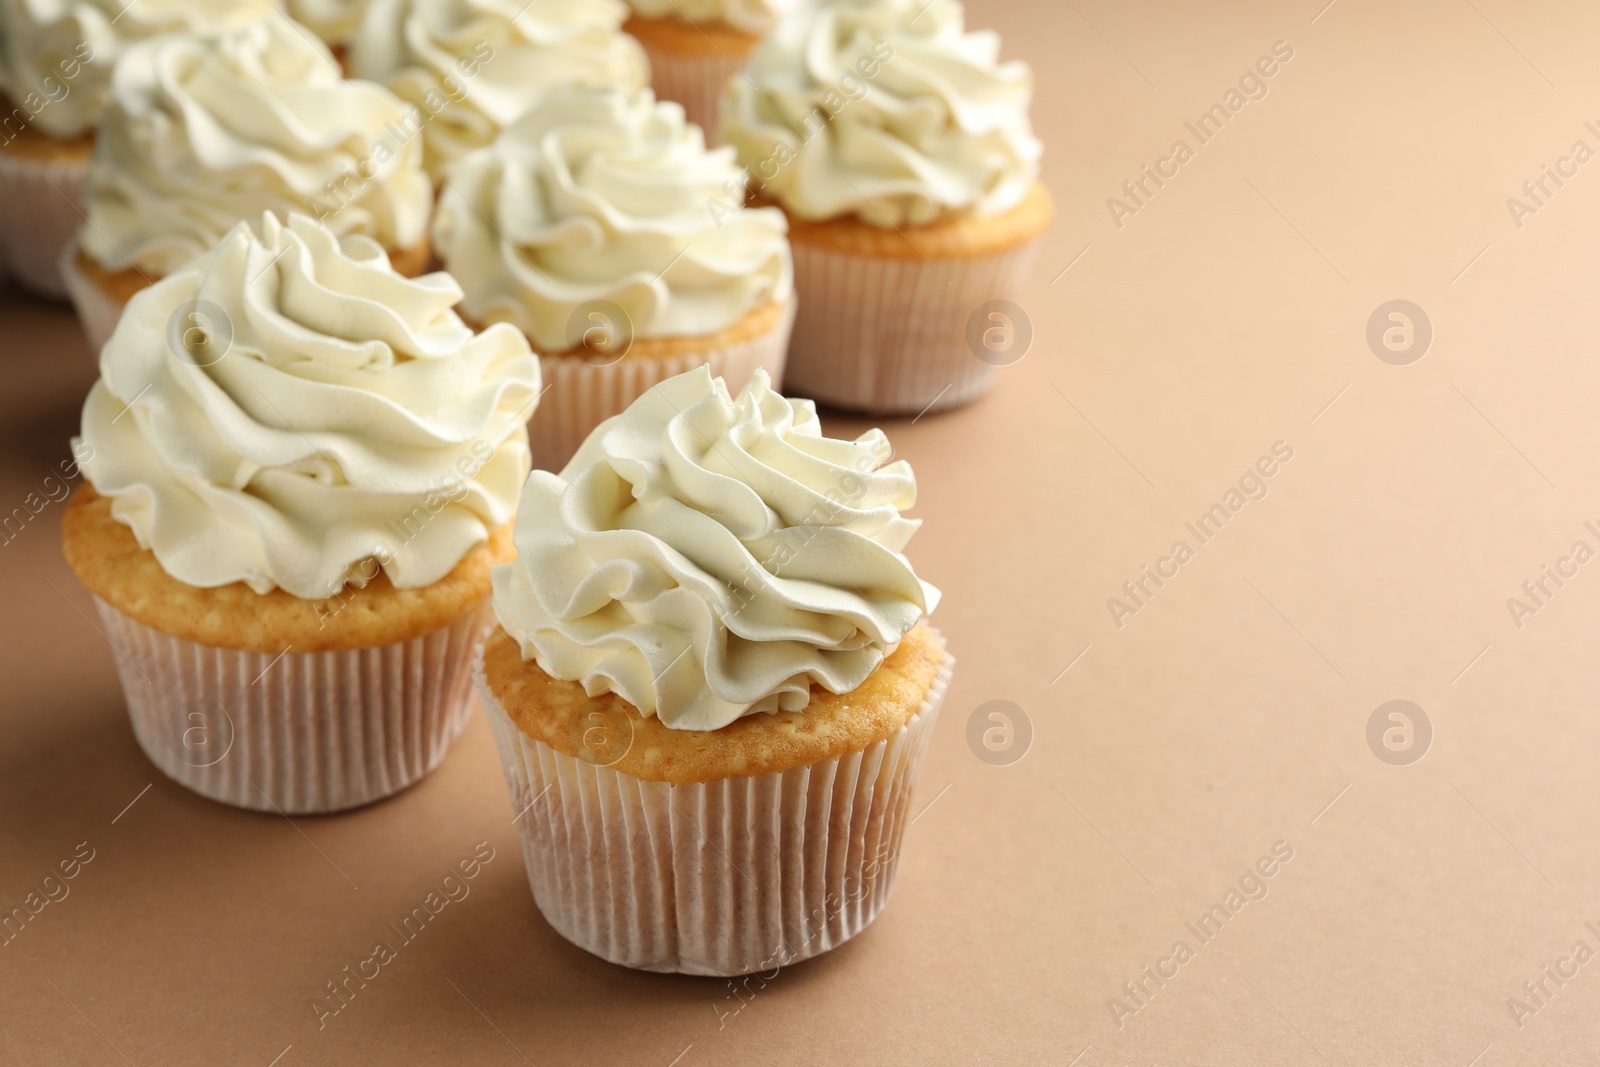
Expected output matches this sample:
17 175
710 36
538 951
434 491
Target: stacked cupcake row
879 166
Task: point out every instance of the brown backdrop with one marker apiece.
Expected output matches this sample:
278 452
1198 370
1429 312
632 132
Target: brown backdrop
1169 753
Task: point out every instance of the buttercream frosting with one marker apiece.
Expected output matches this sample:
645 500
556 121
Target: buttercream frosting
473 66
884 109
605 196
706 557
289 410
56 56
203 134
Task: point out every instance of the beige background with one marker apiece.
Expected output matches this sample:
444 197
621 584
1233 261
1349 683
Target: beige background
1228 714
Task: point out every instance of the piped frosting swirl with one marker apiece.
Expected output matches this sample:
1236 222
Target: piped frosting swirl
883 109
289 409
204 134
605 196
707 557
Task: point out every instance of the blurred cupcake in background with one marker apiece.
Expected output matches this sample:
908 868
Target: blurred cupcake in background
900 148
334 21
695 46
204 134
712 686
55 77
300 467
474 66
601 226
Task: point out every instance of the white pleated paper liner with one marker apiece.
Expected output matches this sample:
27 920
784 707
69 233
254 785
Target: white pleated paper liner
581 395
721 878
890 336
38 217
695 80
97 310
304 733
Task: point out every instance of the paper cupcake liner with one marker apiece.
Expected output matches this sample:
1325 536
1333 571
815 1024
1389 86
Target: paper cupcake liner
889 336
300 733
720 878
98 311
38 217
695 80
580 395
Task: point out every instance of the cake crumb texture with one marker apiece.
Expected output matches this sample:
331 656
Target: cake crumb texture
606 729
965 236
109 562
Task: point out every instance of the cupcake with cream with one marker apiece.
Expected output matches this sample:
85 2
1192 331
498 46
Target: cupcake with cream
301 466
472 67
55 77
899 145
695 46
204 134
601 226
712 685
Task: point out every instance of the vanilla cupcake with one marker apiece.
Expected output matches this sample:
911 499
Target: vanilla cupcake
472 67
696 45
301 466
711 685
55 77
900 147
204 134
601 226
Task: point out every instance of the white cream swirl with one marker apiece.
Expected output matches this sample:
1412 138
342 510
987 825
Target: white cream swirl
750 16
60 53
287 410
885 109
598 195
473 66
203 134
334 21
707 558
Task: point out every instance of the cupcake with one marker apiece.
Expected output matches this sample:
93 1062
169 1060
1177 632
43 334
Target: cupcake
695 46
472 67
601 227
901 150
711 685
55 77
204 134
301 467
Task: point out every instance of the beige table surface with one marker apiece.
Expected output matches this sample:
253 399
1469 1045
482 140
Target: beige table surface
1170 753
